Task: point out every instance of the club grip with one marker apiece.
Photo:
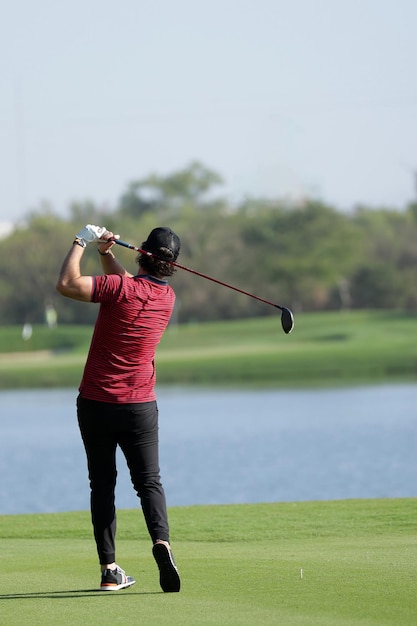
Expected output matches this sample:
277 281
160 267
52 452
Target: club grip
123 243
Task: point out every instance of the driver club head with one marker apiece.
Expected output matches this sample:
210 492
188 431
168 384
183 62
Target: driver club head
287 320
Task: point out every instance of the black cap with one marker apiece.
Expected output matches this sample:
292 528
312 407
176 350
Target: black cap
163 237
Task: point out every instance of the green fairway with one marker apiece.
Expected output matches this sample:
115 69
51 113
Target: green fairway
317 563
335 348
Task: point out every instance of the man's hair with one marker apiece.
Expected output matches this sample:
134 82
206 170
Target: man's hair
157 266
165 245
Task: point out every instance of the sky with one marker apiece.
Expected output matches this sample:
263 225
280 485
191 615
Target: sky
295 99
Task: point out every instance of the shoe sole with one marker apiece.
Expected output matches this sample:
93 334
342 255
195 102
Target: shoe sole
169 578
130 581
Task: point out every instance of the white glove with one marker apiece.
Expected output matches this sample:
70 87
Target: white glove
90 233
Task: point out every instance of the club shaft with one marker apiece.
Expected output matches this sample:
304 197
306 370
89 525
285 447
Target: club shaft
188 269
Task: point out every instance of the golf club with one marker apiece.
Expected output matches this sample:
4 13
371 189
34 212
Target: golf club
287 319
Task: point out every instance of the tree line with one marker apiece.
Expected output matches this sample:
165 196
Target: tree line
308 257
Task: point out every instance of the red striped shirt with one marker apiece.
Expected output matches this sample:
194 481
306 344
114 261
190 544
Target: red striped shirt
134 312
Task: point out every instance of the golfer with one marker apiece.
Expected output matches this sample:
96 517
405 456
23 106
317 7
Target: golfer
116 405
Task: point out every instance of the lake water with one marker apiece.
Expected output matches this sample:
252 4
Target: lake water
221 447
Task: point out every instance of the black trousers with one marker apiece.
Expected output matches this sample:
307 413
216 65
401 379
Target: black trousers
133 427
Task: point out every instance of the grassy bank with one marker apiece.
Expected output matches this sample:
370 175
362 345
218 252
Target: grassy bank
324 349
323 563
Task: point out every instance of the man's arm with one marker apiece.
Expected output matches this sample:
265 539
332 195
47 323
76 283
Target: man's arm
70 282
108 261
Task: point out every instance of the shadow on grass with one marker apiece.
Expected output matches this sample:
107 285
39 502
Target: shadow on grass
75 593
